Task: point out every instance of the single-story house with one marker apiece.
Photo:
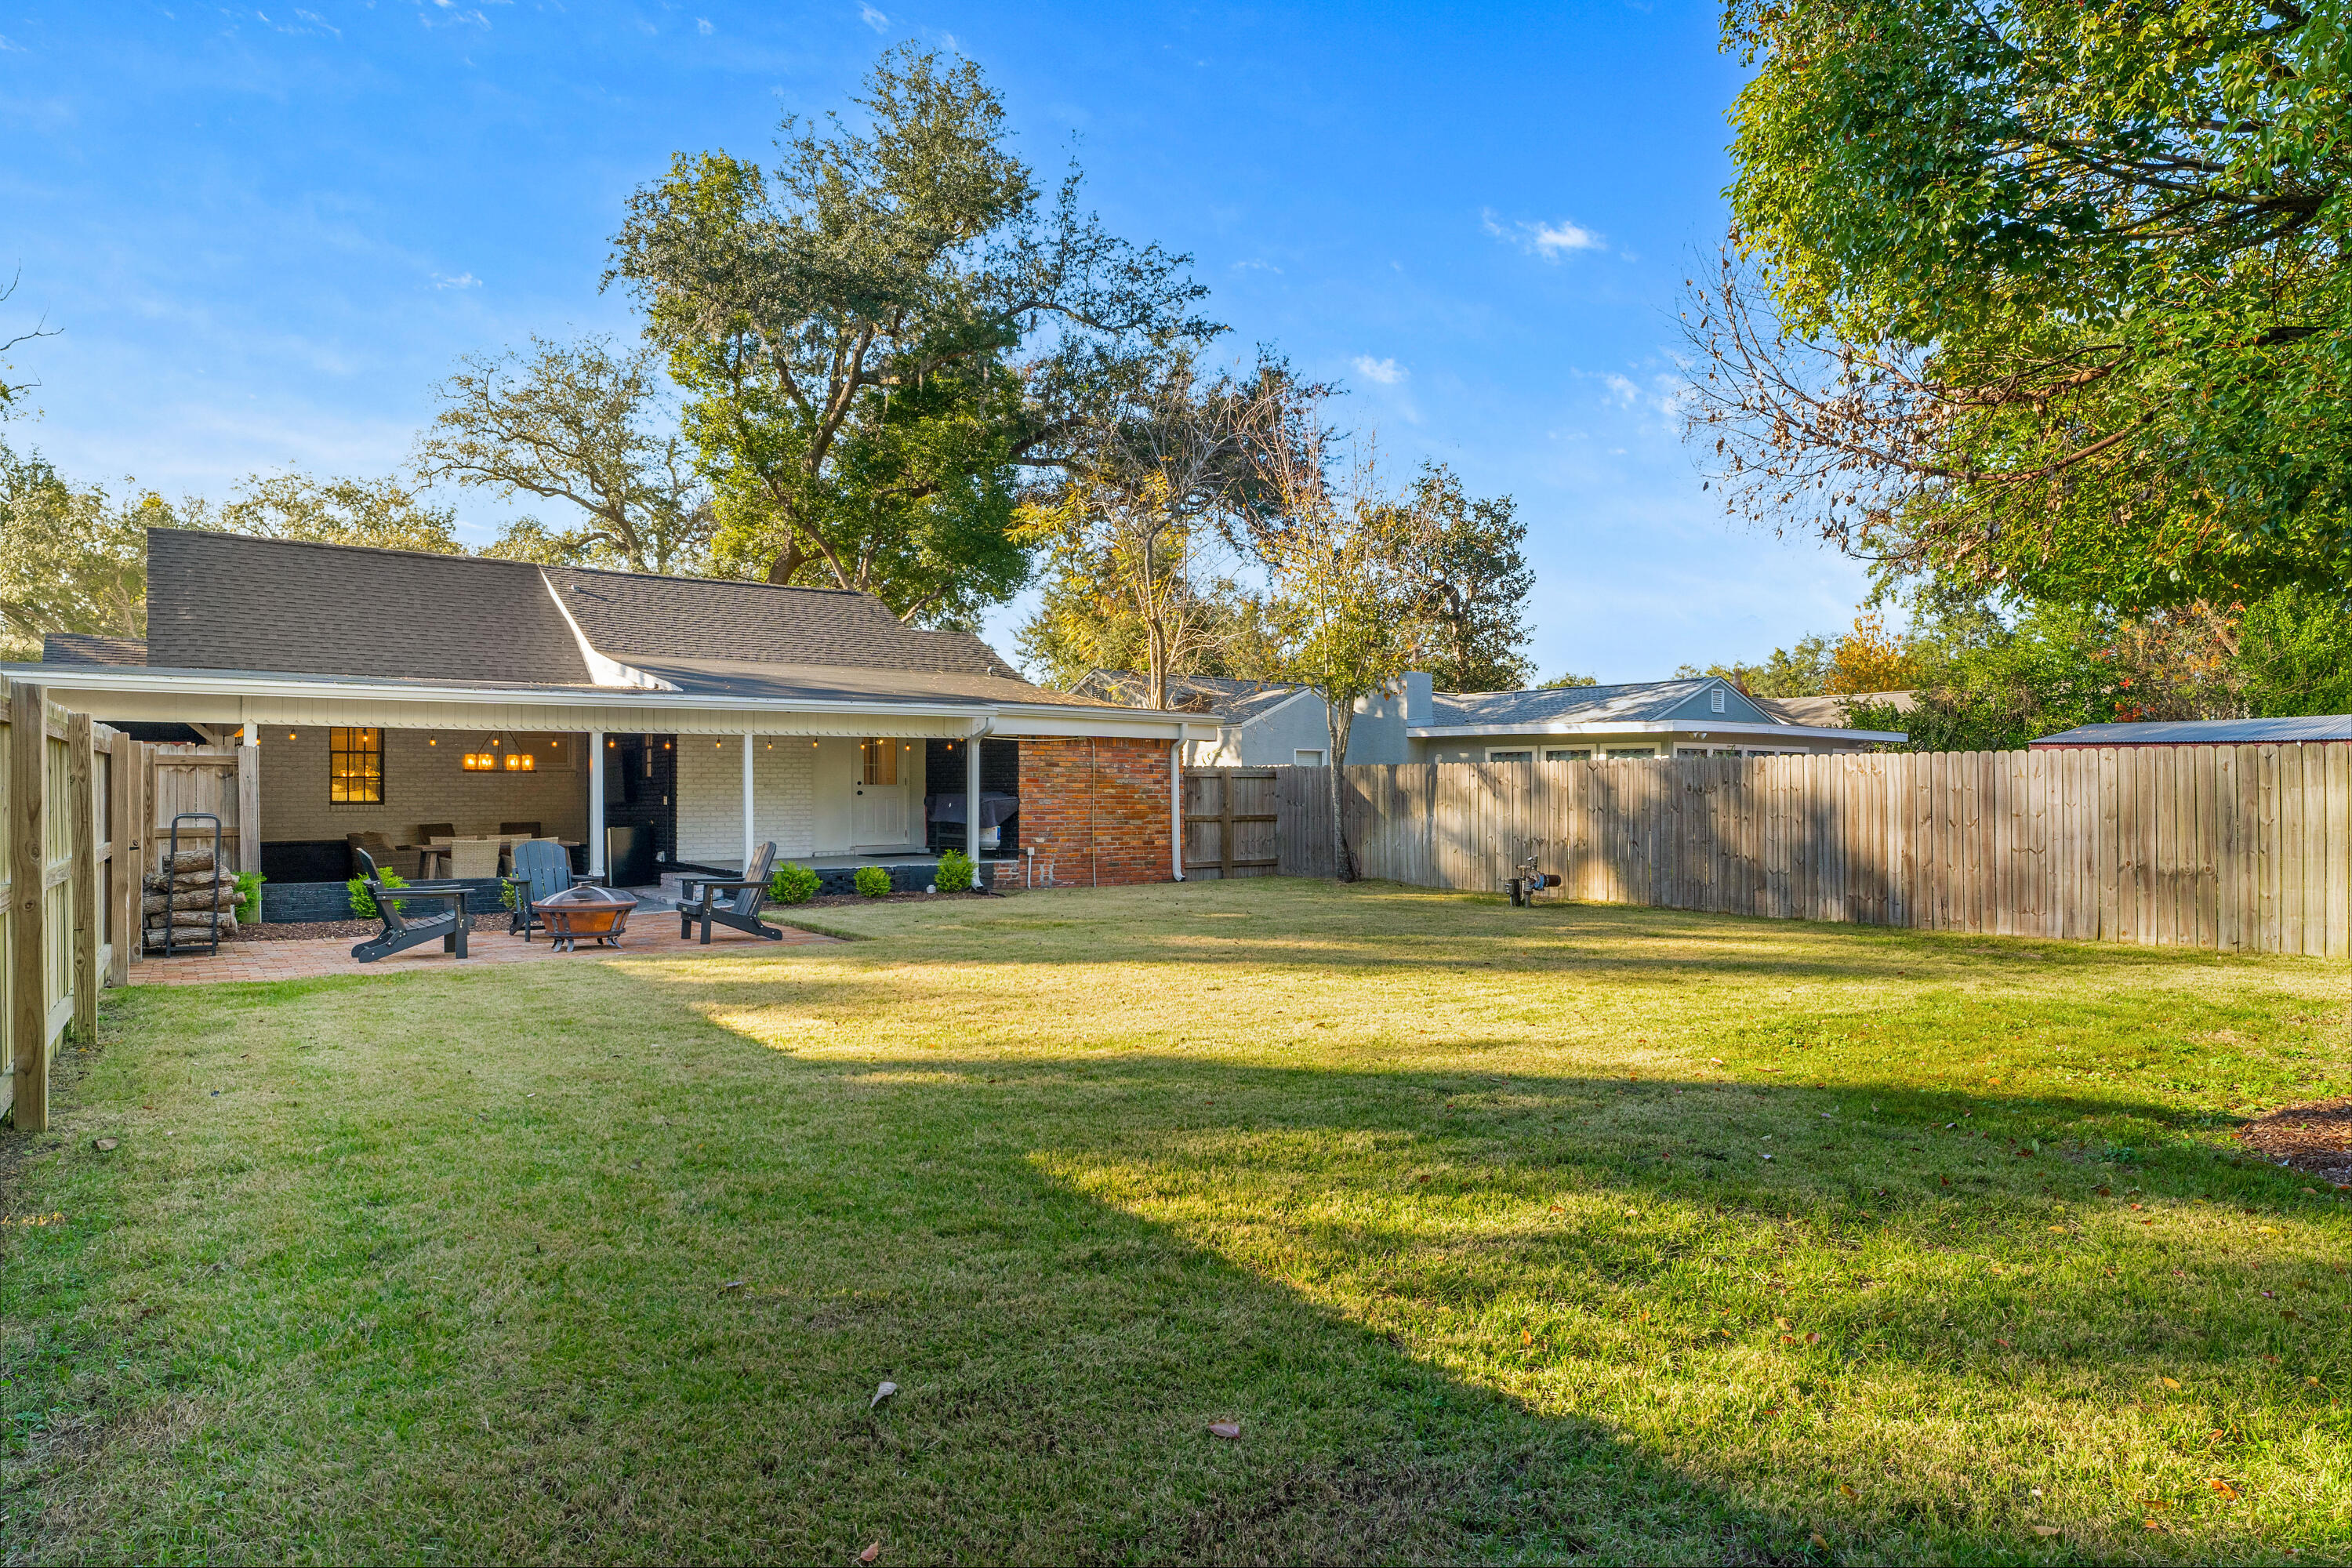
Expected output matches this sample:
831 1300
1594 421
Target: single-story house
1262 725
2309 730
664 721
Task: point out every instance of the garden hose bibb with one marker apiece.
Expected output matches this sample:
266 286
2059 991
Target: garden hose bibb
1528 883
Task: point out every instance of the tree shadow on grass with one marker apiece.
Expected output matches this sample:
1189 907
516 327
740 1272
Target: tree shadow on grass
472 1292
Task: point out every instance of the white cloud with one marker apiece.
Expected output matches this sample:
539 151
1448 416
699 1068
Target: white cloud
1624 391
1549 240
702 24
1256 266
7 47
462 281
872 18
1387 372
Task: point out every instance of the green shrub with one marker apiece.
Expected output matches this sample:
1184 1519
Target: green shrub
793 884
364 902
955 872
249 897
873 882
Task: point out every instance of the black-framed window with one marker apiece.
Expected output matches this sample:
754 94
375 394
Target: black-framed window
355 766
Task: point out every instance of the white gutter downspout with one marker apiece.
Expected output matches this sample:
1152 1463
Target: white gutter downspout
1176 808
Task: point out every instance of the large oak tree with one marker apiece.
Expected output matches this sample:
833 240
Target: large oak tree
880 331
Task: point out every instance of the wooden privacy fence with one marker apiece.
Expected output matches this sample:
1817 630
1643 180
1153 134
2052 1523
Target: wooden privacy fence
72 794
2235 848
1229 822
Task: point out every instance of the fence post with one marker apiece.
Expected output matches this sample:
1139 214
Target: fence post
87 883
122 831
28 781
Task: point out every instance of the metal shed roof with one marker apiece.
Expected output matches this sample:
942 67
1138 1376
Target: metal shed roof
2205 732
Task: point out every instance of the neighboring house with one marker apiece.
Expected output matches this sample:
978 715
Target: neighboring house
686 720
1834 711
1261 725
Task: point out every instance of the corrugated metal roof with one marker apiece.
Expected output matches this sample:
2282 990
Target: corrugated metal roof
2206 732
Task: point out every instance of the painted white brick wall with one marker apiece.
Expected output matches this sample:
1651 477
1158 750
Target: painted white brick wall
710 797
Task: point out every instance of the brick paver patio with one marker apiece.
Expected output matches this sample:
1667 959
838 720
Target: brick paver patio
654 938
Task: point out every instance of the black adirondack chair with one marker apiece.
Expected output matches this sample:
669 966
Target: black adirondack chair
400 933
542 868
698 900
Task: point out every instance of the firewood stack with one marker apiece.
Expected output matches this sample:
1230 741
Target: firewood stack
196 887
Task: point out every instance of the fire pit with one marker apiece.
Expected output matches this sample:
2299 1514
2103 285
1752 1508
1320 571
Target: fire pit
585 910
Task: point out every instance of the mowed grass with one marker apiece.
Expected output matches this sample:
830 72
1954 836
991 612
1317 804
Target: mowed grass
1553 1234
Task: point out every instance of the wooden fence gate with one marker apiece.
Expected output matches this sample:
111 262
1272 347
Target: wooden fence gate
1229 822
71 796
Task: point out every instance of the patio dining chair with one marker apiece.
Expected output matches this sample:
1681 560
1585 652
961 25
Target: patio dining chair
529 830
698 900
542 868
402 932
473 859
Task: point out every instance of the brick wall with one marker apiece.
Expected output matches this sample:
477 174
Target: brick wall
710 796
1096 809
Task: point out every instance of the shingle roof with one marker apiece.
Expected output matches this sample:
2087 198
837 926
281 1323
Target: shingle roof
229 603
1832 712
84 647
2206 732
636 617
1634 702
224 601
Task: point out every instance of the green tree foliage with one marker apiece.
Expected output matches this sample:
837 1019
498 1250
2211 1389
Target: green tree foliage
382 513
1141 530
1480 582
876 335
2051 298
72 558
575 423
2294 654
1568 679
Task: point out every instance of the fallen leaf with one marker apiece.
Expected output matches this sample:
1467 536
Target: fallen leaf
1818 1544
2229 1493
2057 1230
1812 1339
2003 1343
104 1145
1526 1337
1780 1322
1226 1429
733 1285
2171 1383
872 1553
1847 1489
2045 1530
881 1393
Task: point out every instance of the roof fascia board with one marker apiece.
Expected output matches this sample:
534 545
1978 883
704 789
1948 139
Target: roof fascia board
1301 694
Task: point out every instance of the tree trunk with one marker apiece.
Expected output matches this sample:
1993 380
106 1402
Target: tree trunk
1338 720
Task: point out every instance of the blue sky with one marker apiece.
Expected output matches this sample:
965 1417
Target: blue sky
264 233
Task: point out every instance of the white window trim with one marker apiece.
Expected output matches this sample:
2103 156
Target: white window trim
1511 753
1715 701
1301 757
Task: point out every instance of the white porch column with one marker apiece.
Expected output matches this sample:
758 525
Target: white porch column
750 846
596 803
972 798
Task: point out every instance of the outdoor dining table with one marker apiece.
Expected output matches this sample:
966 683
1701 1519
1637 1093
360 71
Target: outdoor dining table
436 851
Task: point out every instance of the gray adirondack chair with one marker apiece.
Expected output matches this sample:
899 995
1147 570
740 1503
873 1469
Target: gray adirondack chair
400 933
542 868
698 900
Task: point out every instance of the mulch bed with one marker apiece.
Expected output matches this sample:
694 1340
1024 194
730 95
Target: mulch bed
2315 1137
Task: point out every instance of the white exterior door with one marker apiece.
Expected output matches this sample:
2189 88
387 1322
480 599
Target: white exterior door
833 797
880 815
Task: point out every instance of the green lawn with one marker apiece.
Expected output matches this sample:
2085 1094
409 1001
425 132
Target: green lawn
1572 1232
